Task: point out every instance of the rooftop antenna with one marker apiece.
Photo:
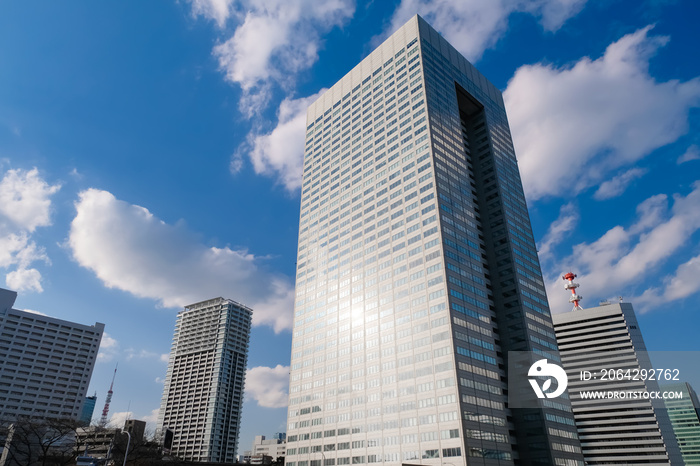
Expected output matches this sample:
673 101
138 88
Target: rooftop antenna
108 400
575 298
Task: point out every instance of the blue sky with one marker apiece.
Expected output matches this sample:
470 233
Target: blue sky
150 158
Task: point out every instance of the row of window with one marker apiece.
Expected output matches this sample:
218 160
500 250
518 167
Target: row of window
379 458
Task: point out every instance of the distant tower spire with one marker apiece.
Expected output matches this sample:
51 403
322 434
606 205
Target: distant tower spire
108 400
575 298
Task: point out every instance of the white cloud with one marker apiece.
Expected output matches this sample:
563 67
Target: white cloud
25 199
236 164
276 40
280 152
132 353
573 125
617 185
473 26
692 153
25 205
75 174
682 284
268 386
24 279
565 223
151 418
217 10
618 261
109 348
650 212
117 420
128 248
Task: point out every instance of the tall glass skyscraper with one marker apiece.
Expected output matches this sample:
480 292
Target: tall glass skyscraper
417 272
684 414
203 392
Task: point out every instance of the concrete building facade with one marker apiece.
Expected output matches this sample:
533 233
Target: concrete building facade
96 441
46 363
274 447
416 272
613 431
203 392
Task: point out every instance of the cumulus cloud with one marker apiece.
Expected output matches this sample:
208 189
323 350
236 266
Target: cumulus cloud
621 258
151 418
24 279
268 386
25 205
280 152
692 153
558 230
473 26
117 420
25 199
573 125
109 348
275 40
617 185
130 249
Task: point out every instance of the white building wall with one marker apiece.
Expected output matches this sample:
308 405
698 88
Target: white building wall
45 363
203 392
631 431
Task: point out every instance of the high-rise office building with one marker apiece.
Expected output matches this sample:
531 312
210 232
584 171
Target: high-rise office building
417 272
203 392
46 363
632 430
685 418
88 410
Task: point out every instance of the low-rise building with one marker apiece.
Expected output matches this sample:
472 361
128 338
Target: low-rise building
274 448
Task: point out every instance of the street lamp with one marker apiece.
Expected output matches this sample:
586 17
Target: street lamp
128 442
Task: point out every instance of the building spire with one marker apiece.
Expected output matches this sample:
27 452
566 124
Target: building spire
575 298
108 400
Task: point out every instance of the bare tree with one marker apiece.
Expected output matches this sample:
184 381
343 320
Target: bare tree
39 441
141 451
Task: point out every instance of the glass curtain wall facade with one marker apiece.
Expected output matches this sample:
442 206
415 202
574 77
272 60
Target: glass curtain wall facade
416 272
684 414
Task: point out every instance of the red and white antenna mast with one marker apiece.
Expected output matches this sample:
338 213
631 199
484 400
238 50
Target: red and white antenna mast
575 298
108 400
